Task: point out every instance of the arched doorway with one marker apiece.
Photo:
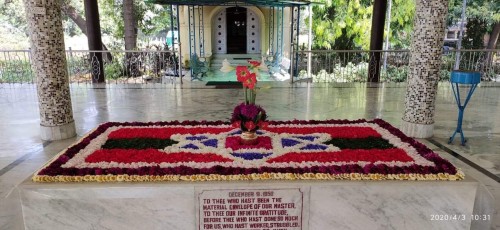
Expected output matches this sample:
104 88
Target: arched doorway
236 24
236 31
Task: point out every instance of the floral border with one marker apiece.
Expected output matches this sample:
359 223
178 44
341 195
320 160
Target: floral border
53 172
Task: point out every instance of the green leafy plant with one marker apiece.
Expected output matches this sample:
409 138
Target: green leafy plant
113 70
15 71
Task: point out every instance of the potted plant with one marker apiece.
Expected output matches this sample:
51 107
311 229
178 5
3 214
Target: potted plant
248 116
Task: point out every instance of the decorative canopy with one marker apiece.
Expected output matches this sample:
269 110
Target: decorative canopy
233 3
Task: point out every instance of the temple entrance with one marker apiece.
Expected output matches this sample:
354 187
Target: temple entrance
236 30
236 19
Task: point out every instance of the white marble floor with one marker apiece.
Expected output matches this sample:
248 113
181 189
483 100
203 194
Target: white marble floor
22 151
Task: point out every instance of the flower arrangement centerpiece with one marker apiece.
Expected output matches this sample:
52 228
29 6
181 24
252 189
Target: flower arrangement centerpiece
248 116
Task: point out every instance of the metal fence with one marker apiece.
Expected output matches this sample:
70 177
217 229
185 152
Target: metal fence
149 66
353 65
15 67
154 66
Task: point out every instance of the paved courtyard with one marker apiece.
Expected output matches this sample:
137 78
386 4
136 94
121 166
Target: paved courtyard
22 152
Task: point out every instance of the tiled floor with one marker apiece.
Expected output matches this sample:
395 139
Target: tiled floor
22 151
217 75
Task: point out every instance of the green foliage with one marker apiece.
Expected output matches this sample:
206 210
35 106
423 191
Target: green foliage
474 38
346 25
359 73
111 19
12 15
444 75
70 27
151 19
484 10
481 15
77 65
340 24
118 68
114 69
395 74
447 63
351 72
402 14
13 27
11 38
15 71
155 20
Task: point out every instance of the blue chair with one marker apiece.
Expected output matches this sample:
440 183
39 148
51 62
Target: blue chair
273 63
467 78
198 68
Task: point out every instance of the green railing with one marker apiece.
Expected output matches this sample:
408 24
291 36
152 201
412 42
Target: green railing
153 66
352 66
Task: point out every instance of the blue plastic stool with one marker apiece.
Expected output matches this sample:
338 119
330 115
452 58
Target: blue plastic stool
463 77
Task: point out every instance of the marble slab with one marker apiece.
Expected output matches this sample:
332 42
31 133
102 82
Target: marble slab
108 208
11 215
252 208
392 206
327 204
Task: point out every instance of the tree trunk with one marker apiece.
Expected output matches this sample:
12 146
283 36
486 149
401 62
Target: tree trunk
71 12
492 43
376 39
130 29
130 25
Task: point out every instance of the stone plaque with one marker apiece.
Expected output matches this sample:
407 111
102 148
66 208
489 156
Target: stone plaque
39 10
250 209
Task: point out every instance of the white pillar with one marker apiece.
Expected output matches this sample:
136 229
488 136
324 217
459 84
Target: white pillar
388 29
425 63
49 65
309 43
460 36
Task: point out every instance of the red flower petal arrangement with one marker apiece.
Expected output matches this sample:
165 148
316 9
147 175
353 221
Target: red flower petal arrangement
247 115
203 151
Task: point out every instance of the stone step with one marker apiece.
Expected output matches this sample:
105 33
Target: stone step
235 58
229 56
233 62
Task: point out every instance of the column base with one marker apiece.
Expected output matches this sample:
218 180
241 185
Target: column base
54 133
417 130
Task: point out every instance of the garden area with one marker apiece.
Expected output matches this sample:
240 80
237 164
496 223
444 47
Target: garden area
340 42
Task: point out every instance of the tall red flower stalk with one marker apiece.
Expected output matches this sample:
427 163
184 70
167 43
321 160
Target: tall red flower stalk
249 80
248 116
